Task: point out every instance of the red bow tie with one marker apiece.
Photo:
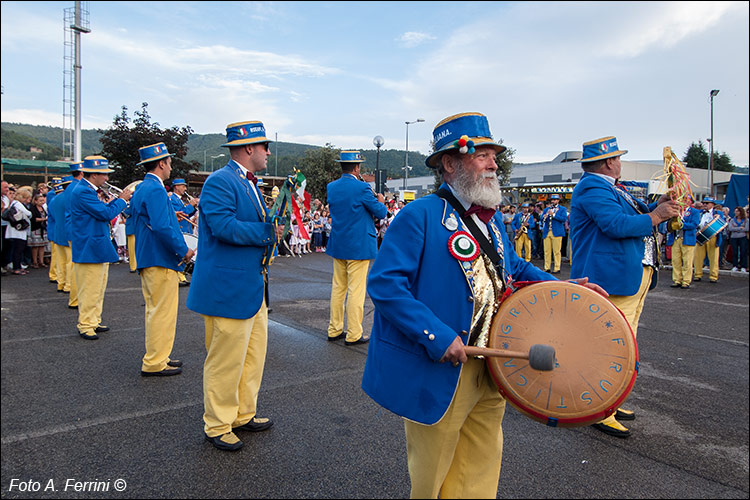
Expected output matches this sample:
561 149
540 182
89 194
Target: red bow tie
484 214
252 178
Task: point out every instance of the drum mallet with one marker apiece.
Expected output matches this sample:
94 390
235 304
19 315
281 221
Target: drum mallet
541 356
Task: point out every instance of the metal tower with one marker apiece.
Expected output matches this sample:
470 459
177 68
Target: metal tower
75 22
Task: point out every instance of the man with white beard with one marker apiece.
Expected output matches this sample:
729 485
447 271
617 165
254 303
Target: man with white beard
442 268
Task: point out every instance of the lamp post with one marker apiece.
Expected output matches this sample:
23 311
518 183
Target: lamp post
378 142
213 158
711 147
406 158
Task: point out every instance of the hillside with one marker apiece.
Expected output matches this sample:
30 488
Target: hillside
18 137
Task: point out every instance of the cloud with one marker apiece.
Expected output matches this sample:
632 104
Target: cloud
412 39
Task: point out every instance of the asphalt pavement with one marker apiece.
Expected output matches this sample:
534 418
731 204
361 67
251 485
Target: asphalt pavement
78 420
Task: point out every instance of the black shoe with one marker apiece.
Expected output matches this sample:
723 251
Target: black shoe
72 307
101 329
255 425
223 445
555 272
546 270
337 337
174 362
612 431
184 283
88 337
675 285
166 372
696 279
360 340
132 271
713 281
624 414
270 310
60 291
685 286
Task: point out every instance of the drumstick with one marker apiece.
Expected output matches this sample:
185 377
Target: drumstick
541 357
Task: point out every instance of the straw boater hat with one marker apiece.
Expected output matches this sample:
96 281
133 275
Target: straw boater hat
350 157
599 149
153 152
554 197
462 132
178 182
96 165
76 167
239 134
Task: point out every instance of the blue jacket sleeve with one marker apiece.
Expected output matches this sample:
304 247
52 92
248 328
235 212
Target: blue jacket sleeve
605 211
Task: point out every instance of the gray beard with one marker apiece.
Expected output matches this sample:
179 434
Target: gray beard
475 190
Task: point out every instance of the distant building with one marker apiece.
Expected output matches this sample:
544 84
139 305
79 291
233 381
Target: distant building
535 181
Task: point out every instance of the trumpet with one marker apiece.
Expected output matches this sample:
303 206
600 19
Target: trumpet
114 192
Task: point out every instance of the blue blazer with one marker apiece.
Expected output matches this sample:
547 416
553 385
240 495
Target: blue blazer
558 222
235 235
353 205
50 217
59 208
423 298
690 221
516 223
68 216
90 224
158 239
188 210
606 235
129 221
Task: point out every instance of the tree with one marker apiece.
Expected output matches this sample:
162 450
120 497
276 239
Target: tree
697 157
319 168
120 144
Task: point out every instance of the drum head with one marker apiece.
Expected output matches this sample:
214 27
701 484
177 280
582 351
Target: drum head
597 356
192 242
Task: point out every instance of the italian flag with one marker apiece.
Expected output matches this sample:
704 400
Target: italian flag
301 182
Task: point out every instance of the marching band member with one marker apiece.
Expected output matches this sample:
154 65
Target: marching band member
56 188
431 284
683 248
522 222
130 234
353 244
77 176
184 210
229 287
160 250
613 241
553 227
92 243
710 248
60 236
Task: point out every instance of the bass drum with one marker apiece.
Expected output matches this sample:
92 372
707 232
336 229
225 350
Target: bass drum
192 242
597 356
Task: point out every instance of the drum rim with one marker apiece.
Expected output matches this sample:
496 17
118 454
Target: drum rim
571 421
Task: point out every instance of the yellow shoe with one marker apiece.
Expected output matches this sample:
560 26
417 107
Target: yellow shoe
612 427
622 414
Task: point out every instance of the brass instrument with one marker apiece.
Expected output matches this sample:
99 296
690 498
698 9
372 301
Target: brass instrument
524 229
113 191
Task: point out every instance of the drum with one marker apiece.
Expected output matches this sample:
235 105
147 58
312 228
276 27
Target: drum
710 230
192 242
597 356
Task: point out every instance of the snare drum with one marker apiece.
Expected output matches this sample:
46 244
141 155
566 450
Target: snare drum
710 230
192 242
596 351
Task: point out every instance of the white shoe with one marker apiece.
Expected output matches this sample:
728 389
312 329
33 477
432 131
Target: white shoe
744 270
24 266
734 269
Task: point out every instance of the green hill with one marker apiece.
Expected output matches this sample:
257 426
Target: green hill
18 137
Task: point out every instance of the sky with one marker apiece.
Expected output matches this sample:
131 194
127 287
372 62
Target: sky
549 76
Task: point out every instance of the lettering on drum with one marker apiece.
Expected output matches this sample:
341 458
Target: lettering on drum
615 366
523 380
602 382
586 396
562 403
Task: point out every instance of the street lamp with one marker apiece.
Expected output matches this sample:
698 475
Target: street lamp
711 147
377 141
213 158
406 159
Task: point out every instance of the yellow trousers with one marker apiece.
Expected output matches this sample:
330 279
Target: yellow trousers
632 307
459 457
92 282
63 255
524 243
131 252
552 247
161 293
709 248
71 276
682 262
349 277
232 372
52 261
